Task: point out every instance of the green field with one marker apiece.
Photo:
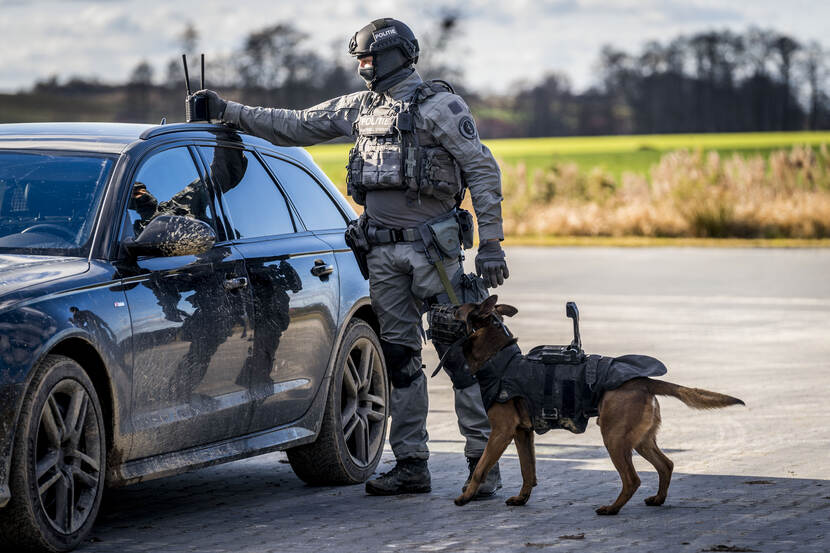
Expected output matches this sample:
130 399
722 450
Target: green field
615 154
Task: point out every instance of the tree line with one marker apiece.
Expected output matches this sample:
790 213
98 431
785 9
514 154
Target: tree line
715 81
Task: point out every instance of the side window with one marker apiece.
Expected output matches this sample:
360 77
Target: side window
168 184
316 208
256 205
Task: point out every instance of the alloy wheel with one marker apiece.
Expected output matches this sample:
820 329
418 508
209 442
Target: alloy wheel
67 456
363 402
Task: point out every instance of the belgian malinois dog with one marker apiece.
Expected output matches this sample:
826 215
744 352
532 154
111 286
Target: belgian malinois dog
629 415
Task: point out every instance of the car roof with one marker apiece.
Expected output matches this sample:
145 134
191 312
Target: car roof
113 138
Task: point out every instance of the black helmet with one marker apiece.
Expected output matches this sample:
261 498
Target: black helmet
394 48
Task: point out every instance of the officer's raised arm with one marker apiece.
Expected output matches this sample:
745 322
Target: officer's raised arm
290 127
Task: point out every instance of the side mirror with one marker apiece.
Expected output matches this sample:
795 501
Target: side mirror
171 235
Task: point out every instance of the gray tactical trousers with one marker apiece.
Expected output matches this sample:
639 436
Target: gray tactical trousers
400 278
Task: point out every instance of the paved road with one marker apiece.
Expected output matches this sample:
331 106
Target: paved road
754 323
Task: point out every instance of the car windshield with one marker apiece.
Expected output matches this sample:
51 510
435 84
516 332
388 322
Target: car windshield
48 200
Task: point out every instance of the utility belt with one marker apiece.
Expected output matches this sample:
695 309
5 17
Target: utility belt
380 235
440 238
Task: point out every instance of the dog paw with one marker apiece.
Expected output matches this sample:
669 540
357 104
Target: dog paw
516 501
654 501
461 501
607 510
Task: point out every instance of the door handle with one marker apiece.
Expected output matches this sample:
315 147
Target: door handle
236 283
320 268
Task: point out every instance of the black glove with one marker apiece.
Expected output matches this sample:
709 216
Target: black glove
216 105
490 263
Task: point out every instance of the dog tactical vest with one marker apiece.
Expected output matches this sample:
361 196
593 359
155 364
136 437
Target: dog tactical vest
391 153
558 395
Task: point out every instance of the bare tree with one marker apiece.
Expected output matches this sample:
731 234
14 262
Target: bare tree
815 76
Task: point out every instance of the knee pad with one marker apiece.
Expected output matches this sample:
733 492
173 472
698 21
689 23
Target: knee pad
399 363
455 366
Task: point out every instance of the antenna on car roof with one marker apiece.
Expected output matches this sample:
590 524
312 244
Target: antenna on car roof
195 107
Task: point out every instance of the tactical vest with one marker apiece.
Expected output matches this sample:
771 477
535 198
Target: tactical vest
558 394
390 153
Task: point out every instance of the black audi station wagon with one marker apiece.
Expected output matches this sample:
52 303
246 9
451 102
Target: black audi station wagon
172 297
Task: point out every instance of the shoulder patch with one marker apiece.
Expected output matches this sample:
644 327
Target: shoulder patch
467 128
455 107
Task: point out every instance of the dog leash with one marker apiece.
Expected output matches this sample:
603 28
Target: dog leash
446 353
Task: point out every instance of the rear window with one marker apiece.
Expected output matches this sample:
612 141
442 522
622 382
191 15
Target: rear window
48 200
316 208
257 207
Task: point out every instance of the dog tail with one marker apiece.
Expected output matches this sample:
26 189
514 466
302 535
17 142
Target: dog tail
696 398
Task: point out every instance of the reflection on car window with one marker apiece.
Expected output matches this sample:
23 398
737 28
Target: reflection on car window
48 200
316 208
256 205
168 184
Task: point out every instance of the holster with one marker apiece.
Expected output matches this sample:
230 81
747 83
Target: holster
465 227
358 242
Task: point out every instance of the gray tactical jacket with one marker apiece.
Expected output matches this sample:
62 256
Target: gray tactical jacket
445 116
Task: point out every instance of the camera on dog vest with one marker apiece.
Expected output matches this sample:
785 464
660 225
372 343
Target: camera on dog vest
570 354
195 107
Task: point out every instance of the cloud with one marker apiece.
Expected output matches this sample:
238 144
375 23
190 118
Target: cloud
499 42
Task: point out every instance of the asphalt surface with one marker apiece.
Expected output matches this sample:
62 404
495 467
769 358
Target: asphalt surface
753 323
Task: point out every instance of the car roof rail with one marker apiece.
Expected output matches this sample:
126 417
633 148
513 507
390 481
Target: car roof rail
181 127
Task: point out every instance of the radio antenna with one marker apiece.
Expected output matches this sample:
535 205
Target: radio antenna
186 76
203 72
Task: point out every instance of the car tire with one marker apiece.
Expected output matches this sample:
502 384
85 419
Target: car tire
59 463
353 431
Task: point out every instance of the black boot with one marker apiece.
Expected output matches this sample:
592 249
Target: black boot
407 476
491 483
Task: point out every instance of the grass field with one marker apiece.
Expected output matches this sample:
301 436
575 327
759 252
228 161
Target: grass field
773 188
614 154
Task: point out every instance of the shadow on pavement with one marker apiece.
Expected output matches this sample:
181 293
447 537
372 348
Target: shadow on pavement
259 505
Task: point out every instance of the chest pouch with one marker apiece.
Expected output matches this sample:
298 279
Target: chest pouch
440 176
377 161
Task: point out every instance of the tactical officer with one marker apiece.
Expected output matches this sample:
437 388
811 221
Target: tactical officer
416 147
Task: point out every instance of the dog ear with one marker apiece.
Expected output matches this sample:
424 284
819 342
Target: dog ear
487 305
506 310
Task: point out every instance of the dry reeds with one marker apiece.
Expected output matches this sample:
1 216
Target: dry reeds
688 194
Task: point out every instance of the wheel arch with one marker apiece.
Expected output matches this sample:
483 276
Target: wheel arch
366 313
84 353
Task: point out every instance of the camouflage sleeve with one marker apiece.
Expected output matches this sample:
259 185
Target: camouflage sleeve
451 123
304 127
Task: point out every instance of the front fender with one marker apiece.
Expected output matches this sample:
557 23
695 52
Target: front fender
79 323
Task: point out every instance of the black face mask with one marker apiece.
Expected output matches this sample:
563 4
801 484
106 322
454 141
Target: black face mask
367 73
388 69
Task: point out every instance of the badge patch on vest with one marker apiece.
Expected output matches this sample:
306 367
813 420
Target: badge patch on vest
377 125
467 128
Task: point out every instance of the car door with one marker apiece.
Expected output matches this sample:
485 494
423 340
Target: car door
191 317
295 291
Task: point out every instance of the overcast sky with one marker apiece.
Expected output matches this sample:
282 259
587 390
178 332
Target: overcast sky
499 41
